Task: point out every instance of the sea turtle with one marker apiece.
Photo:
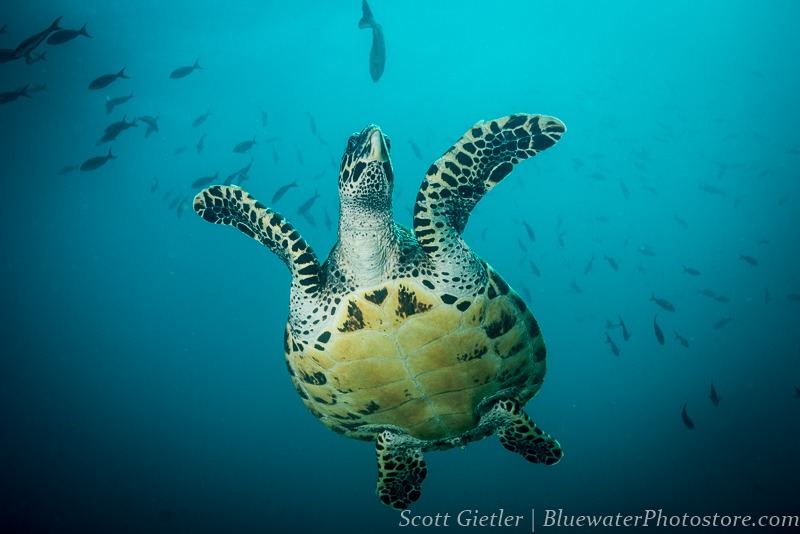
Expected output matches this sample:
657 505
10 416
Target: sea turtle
407 338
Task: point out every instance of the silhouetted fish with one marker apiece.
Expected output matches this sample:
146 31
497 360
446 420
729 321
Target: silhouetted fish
244 146
561 238
625 334
155 185
588 267
647 251
312 124
282 191
576 289
766 295
111 103
377 55
264 117
722 298
106 79
612 263
711 189
714 397
205 180
200 145
749 259
181 72
239 174
329 226
179 150
529 230
686 420
522 247
794 297
681 222
114 129
33 88
614 347
682 340
535 270
201 119
33 57
96 162
597 176
659 333
664 303
62 36
27 46
690 270
152 125
796 392
275 157
299 155
722 322
706 292
624 189
308 203
415 149
10 96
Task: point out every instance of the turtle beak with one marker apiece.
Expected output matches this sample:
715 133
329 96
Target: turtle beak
377 147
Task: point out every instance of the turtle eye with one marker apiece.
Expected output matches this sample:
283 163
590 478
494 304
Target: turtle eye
388 143
351 144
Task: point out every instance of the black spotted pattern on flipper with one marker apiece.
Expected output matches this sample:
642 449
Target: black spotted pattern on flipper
465 173
233 206
519 434
401 471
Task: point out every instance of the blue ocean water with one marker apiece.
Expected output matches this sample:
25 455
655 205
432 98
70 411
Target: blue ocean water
143 382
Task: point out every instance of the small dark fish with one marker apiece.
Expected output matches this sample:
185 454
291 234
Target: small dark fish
560 221
200 145
152 125
155 185
179 150
329 224
652 190
10 96
578 164
205 180
111 103
614 347
273 139
597 176
706 292
62 36
690 270
602 219
239 174
682 340
612 263
624 189
749 259
106 79
794 297
722 298
796 392
275 157
722 322
307 216
114 129
659 333
522 246
3 29
201 119
766 295
625 334
97 162
173 203
68 168
711 189
576 289
264 118
182 206
640 166
535 270
647 251
737 201
686 420
33 88
33 57
783 199
642 269
377 55
244 146
312 124
610 325
529 230
415 149
714 397
182 72
561 238
166 196
664 303
299 155
27 46
588 267
681 222
762 242
525 291
308 203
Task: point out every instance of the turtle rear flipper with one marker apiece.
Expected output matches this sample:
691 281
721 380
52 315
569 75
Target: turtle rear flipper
519 434
233 206
401 471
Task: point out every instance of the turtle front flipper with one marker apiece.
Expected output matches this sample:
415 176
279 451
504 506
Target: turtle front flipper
519 434
401 471
470 169
233 206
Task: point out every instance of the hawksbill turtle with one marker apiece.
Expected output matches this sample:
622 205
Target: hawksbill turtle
406 337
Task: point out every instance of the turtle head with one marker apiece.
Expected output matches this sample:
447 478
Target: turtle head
365 176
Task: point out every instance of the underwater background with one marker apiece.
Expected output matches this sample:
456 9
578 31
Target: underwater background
143 384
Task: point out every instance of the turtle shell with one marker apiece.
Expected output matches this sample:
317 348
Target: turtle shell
399 355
